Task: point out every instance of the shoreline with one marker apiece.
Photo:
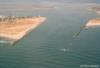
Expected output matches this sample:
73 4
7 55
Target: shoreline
93 22
20 28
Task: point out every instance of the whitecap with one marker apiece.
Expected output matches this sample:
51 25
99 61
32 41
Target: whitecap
65 49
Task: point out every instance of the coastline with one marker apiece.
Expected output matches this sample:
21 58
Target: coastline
93 22
20 28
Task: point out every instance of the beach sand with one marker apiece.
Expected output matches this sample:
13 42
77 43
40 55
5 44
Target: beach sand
93 23
18 29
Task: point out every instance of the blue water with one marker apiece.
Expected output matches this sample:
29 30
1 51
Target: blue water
48 46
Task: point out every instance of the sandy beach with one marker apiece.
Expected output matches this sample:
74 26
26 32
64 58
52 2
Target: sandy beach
93 22
18 29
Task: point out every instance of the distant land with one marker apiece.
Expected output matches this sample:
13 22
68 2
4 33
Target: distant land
95 8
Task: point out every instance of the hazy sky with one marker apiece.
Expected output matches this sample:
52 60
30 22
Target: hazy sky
40 1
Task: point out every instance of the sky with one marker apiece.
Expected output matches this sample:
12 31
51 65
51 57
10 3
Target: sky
40 1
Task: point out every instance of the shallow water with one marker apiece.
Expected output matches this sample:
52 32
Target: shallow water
48 46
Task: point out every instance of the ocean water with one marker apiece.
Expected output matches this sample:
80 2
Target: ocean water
51 45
